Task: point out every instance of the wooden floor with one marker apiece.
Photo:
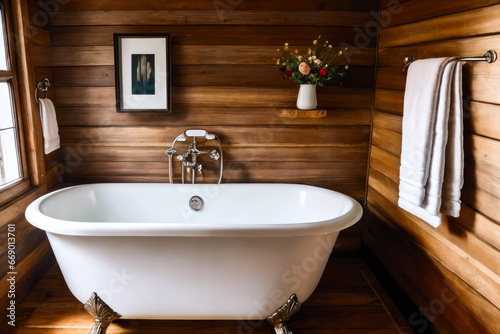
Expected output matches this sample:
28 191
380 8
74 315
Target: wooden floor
348 300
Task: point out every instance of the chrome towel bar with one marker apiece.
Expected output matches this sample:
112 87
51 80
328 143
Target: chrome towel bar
490 57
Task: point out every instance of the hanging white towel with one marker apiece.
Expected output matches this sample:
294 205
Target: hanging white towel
454 169
420 108
50 129
433 89
434 185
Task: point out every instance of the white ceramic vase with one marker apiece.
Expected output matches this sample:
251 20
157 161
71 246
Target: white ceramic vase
307 97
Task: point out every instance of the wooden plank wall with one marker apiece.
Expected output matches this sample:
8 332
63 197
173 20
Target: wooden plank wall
33 255
451 272
225 80
42 62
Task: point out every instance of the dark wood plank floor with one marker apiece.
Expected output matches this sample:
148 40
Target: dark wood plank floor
348 300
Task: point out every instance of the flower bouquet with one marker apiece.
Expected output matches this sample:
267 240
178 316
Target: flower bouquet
314 68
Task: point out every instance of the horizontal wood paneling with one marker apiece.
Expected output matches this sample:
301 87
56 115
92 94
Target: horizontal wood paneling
483 119
44 56
476 222
461 240
388 121
414 11
29 271
384 4
358 5
386 162
35 237
38 18
465 307
480 81
52 159
32 251
389 100
480 118
91 76
463 47
197 116
197 55
465 250
481 173
89 152
55 175
231 136
391 78
210 17
40 37
206 35
205 75
23 231
256 172
475 314
474 22
225 80
389 139
221 96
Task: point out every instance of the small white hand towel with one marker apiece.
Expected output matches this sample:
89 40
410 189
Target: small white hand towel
432 140
50 129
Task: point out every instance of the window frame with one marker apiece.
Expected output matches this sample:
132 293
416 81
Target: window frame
24 184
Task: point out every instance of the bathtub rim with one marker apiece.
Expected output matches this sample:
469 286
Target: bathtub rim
57 226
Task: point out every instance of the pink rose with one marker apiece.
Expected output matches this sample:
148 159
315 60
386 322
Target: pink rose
304 68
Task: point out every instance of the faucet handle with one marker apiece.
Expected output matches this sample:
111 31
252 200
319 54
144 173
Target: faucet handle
170 151
214 154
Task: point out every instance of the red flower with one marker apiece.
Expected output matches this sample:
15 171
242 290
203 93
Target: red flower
322 72
288 73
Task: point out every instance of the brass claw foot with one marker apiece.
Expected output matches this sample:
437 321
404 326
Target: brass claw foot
102 313
284 313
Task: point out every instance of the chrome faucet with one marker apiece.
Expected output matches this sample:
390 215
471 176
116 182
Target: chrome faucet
190 163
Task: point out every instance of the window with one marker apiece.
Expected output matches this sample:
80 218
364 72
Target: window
12 173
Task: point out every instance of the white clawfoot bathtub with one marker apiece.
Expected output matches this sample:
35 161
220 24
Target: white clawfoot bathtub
148 255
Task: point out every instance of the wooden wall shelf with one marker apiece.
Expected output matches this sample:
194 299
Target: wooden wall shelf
297 113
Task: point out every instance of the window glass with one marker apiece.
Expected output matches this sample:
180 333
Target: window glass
9 158
3 44
10 154
6 117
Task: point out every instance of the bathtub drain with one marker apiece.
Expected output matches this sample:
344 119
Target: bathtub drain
196 203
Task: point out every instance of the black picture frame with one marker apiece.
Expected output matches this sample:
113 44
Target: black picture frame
143 72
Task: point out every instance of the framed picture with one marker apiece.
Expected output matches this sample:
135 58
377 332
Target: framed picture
142 70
